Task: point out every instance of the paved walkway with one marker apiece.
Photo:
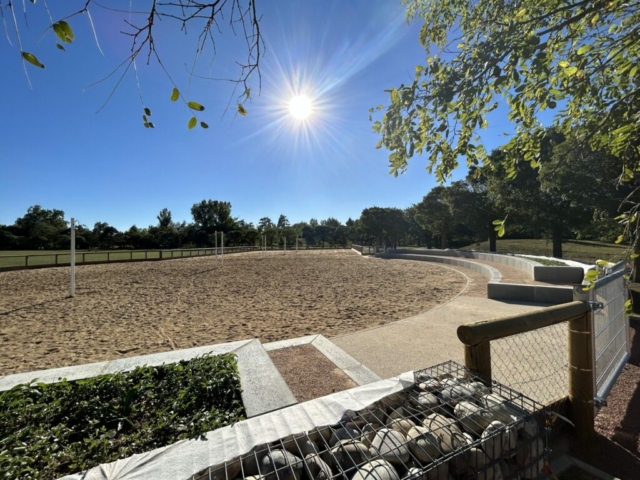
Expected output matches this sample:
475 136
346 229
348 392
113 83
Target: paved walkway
428 338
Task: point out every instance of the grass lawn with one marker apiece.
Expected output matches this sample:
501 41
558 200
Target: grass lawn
580 250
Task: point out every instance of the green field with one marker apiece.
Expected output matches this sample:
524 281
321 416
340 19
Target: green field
580 250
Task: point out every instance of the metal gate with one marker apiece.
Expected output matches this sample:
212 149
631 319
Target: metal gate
611 345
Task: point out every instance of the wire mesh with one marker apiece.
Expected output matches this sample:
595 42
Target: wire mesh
447 425
535 363
610 326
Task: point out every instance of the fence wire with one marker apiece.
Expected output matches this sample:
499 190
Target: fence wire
534 363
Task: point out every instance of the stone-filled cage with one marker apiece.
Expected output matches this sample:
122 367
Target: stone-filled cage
449 424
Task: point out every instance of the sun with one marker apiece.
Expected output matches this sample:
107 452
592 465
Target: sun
300 107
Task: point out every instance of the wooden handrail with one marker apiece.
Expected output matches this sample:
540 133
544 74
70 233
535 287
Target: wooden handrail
474 333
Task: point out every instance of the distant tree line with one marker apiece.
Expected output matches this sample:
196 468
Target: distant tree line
575 196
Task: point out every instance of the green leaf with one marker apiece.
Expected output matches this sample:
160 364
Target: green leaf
634 256
31 58
67 30
147 111
497 222
192 123
501 231
632 72
152 125
395 96
619 239
60 47
584 49
63 31
241 110
564 63
628 307
571 70
204 125
147 125
175 94
195 106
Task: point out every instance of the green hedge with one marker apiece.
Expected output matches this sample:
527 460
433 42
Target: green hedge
51 430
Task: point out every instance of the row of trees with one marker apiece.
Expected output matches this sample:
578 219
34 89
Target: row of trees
41 228
575 195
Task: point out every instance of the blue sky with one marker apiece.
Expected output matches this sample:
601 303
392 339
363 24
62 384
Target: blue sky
56 151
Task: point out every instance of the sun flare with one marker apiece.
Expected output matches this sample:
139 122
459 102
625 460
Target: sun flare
300 107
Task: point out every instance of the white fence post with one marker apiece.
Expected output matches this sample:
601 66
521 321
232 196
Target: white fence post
222 242
72 291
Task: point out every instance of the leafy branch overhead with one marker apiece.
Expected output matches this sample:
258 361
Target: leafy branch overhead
207 18
578 57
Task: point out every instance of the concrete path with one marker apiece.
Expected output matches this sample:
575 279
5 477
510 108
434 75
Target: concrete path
425 339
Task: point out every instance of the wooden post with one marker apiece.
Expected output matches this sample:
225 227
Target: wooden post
582 377
478 358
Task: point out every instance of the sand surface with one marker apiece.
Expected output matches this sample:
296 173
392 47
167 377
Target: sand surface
130 309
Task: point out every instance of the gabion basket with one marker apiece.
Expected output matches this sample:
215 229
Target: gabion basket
449 424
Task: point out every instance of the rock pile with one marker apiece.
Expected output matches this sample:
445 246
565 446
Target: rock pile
442 428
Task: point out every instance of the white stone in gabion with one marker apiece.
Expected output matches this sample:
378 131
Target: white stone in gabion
503 440
436 421
402 425
431 386
425 402
376 470
479 389
424 444
391 446
449 382
472 418
348 454
317 468
497 406
288 465
452 395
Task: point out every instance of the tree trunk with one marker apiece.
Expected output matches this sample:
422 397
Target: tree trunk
443 242
493 236
557 241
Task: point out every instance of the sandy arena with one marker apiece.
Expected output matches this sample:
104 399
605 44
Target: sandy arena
129 309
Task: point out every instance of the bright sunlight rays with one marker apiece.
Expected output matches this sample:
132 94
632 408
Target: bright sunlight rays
300 107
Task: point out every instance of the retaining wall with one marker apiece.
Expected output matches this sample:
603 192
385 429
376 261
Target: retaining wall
496 290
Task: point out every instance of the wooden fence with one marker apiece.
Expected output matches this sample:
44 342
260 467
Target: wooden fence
47 260
579 361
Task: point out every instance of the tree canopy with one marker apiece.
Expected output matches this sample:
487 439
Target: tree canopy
577 57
